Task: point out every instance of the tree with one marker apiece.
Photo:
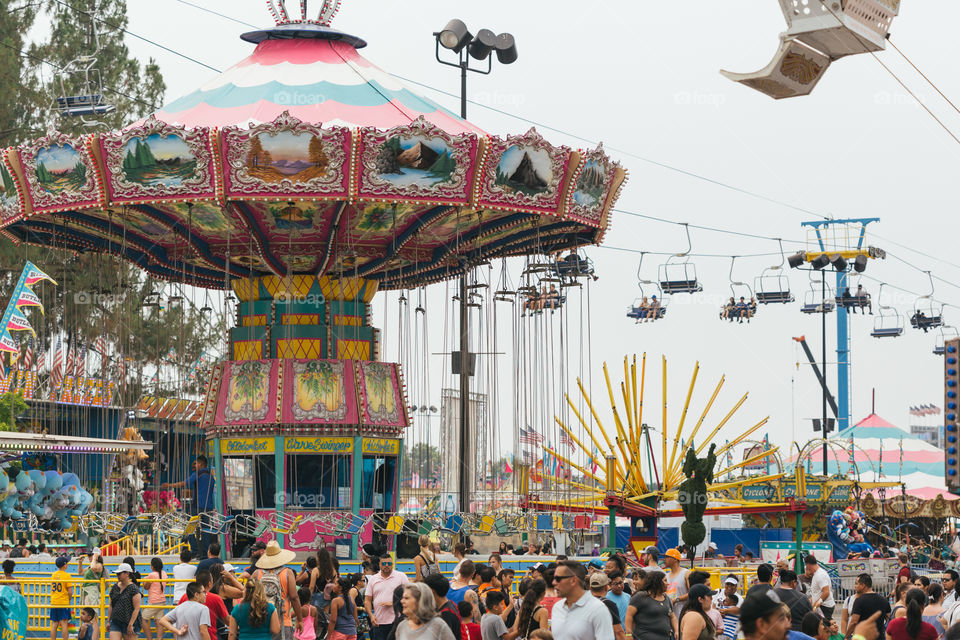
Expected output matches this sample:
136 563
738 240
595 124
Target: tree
424 460
11 406
692 495
96 295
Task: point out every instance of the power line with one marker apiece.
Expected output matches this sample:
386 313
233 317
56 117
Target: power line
702 227
139 37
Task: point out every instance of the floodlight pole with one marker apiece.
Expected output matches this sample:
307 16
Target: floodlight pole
467 443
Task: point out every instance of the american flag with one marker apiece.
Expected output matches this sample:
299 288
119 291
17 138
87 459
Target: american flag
528 457
100 345
529 436
28 355
57 374
80 364
567 440
71 355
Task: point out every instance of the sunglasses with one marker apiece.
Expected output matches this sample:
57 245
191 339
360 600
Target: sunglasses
557 578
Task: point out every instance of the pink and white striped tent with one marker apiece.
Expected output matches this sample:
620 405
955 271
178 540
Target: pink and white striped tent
884 452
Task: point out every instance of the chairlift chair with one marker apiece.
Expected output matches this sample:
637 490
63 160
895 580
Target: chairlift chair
772 286
889 322
815 302
680 277
856 300
947 332
81 86
637 311
819 32
734 309
927 314
573 267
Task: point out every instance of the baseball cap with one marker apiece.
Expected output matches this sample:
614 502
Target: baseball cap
62 561
599 580
731 580
229 568
712 545
258 545
123 567
651 549
761 601
596 563
673 553
539 566
700 591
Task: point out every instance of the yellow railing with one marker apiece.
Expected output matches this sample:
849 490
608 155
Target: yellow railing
85 593
141 545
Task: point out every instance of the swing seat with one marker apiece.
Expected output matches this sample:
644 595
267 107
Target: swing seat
286 524
582 523
352 525
129 526
816 307
453 523
394 525
544 522
819 33
485 526
887 332
502 528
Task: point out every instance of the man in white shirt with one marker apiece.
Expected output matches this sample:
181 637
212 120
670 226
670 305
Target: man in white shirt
649 558
579 616
821 592
182 574
949 588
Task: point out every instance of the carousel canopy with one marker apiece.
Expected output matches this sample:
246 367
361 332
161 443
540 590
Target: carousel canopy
304 158
885 452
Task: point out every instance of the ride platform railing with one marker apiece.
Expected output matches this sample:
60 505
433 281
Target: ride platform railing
84 593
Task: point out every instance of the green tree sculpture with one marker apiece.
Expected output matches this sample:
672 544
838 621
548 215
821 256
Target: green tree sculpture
692 494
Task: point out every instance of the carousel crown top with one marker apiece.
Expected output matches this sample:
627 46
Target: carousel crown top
305 159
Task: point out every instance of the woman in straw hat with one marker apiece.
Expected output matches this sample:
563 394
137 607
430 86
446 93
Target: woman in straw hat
280 585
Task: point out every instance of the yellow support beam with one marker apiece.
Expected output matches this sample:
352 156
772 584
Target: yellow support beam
760 456
587 429
683 414
630 468
679 468
663 429
621 468
744 482
743 436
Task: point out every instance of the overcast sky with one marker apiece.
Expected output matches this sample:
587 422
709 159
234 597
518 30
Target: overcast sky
643 78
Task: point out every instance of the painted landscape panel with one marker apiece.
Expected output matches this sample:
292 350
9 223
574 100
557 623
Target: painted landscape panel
525 169
273 157
416 161
158 160
60 168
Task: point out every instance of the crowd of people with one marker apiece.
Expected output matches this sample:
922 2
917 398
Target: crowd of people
602 599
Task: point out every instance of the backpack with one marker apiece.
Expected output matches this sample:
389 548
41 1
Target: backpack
429 568
275 588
